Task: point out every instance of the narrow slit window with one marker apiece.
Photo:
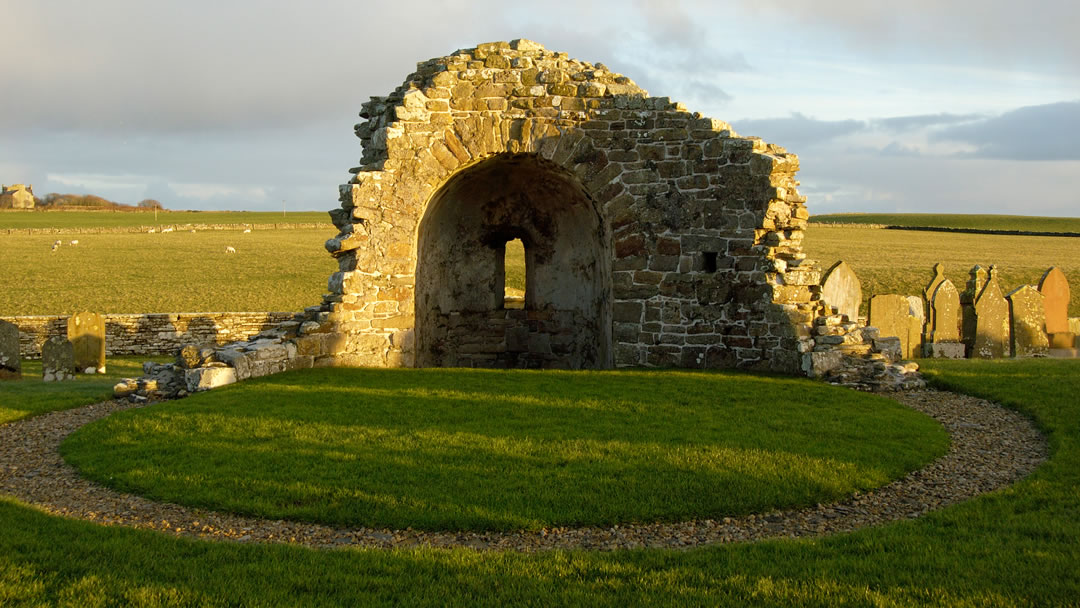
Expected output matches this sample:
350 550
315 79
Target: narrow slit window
514 274
709 261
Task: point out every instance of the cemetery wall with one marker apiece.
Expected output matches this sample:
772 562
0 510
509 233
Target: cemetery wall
151 334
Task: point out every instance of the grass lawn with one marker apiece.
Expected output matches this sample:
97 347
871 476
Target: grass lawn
30 396
112 219
272 270
901 261
1015 547
504 450
956 220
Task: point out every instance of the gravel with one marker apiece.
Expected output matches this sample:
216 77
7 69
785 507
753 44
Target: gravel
991 448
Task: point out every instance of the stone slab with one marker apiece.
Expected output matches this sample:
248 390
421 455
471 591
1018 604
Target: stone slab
206 378
1055 290
1027 322
57 360
86 332
900 316
945 350
842 290
10 361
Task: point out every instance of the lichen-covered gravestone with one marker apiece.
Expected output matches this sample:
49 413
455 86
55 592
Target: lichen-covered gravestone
86 331
943 335
842 290
899 316
57 359
1055 290
10 364
986 315
1027 322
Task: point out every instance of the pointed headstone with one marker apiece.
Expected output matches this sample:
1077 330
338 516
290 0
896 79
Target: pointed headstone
10 363
944 340
86 331
57 360
928 298
842 290
991 311
1056 294
1027 321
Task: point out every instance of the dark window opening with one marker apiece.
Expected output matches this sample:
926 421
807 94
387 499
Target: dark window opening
709 261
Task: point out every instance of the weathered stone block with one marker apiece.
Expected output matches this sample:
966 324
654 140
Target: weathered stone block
206 378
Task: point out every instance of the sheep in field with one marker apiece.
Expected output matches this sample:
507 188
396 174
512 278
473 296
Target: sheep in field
55 246
247 230
57 243
151 231
74 243
164 230
230 250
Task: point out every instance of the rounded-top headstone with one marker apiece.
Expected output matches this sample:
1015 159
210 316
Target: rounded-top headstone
1055 290
842 290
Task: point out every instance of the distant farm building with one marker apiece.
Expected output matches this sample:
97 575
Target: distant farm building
17 196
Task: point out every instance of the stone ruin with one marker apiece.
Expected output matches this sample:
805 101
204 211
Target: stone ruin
653 236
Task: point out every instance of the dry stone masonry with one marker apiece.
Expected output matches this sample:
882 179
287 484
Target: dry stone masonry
653 236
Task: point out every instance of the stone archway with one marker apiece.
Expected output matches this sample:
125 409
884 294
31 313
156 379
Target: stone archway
461 319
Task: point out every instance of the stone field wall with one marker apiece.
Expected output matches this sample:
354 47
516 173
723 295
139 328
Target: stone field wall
151 334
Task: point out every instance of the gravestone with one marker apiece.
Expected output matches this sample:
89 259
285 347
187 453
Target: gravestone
10 364
986 315
86 331
1027 321
944 340
928 297
899 316
57 360
842 290
1055 290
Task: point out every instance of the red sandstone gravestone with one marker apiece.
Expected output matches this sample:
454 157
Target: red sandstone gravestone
1055 290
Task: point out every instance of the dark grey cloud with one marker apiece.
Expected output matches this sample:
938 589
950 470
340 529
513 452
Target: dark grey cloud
1043 132
798 130
901 124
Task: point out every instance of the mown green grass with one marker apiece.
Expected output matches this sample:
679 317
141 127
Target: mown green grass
30 396
116 219
479 450
955 220
272 270
1015 547
901 261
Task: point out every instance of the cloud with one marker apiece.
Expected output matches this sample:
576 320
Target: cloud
798 130
1043 132
900 124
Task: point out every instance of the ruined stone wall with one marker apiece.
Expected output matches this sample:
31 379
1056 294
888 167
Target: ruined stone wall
151 334
699 229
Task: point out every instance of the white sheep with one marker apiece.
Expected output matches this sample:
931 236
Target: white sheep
57 243
55 246
151 231
74 242
230 250
247 230
164 230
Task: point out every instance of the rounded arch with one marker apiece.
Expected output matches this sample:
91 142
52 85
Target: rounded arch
460 315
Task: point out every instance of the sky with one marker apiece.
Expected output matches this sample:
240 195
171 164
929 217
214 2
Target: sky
924 106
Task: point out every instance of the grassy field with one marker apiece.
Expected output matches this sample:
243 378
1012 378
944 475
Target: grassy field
30 396
272 270
288 269
1015 547
112 219
952 220
507 450
900 261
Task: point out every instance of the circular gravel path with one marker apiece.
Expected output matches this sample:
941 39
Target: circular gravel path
991 447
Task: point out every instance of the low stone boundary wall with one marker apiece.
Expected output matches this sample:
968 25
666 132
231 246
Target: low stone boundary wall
182 227
151 334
